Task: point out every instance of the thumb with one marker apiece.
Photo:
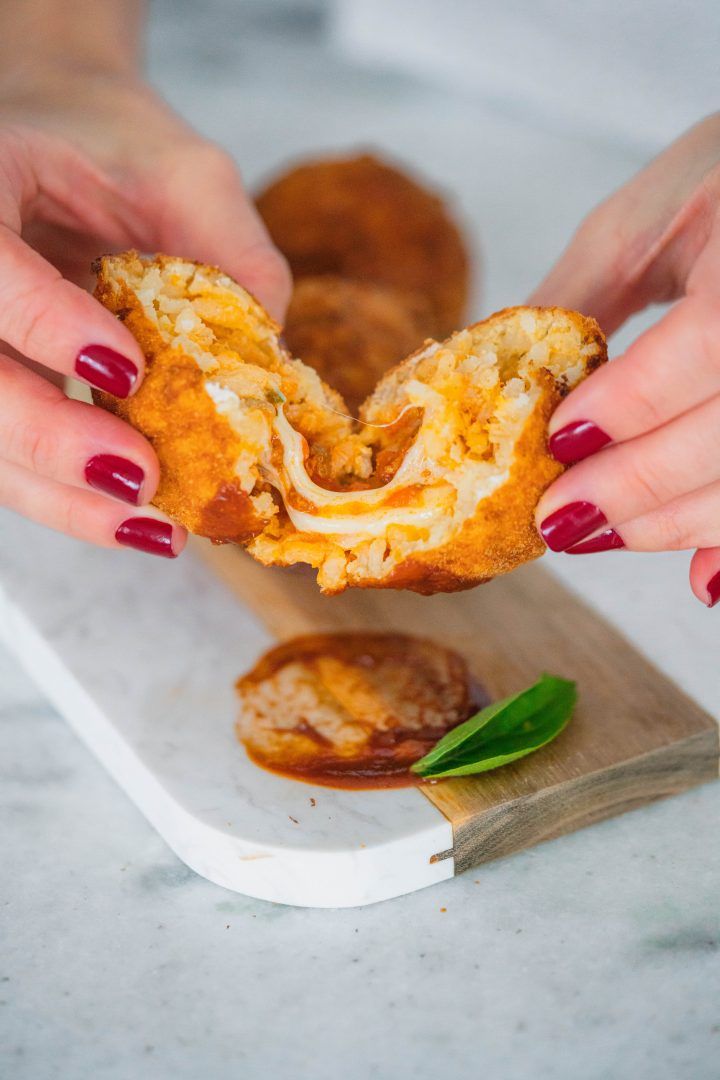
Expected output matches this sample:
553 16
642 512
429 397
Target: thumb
208 216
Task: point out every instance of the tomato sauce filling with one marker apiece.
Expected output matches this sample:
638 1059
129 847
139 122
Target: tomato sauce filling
390 443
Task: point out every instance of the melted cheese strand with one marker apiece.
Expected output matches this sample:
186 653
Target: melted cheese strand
361 527
362 522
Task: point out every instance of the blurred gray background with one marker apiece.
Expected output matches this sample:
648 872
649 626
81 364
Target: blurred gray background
526 113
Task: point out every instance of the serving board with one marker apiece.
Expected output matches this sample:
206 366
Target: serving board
635 735
141 657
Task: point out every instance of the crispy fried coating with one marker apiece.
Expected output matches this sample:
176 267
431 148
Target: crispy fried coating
363 219
352 332
434 490
354 709
197 448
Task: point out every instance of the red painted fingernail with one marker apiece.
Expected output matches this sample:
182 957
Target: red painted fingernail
147 534
713 588
571 523
577 441
106 369
115 476
609 540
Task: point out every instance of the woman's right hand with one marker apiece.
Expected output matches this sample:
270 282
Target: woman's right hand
113 170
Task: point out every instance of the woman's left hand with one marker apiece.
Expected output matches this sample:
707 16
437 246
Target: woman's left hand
645 429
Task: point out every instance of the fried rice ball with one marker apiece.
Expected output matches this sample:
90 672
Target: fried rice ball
434 490
363 219
352 332
353 709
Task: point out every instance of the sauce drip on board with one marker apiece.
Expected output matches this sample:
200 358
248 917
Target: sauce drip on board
353 710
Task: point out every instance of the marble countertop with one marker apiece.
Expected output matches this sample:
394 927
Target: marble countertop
595 955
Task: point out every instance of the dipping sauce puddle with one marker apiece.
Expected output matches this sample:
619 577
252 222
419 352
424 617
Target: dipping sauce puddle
353 710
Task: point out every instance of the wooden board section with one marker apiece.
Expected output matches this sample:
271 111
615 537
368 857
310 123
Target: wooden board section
635 736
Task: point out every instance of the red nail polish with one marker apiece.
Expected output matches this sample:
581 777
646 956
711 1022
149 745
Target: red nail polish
571 523
106 369
577 441
147 534
115 476
713 588
609 540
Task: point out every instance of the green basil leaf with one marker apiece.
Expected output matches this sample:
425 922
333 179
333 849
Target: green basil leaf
504 731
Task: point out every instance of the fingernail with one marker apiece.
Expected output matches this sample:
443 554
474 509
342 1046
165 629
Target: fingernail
106 369
713 588
577 441
571 523
609 540
147 534
115 476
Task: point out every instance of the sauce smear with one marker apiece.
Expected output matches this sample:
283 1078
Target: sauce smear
353 710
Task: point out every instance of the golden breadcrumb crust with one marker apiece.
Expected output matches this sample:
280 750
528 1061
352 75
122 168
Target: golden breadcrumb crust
502 534
197 448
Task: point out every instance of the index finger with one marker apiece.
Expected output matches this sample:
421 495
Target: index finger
671 368
57 324
207 215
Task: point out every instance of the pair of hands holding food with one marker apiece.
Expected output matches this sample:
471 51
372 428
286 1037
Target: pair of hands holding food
105 164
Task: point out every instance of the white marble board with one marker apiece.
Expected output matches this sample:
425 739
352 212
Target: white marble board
141 658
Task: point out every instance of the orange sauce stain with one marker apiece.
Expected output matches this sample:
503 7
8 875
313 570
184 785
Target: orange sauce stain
353 710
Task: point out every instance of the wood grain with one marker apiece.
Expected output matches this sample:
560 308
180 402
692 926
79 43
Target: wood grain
635 735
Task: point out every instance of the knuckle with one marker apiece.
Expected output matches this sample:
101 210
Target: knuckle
649 482
673 528
35 446
591 228
601 227
35 315
611 235
648 410
71 518
212 160
275 269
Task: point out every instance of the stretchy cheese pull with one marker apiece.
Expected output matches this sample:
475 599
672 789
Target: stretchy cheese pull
434 489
